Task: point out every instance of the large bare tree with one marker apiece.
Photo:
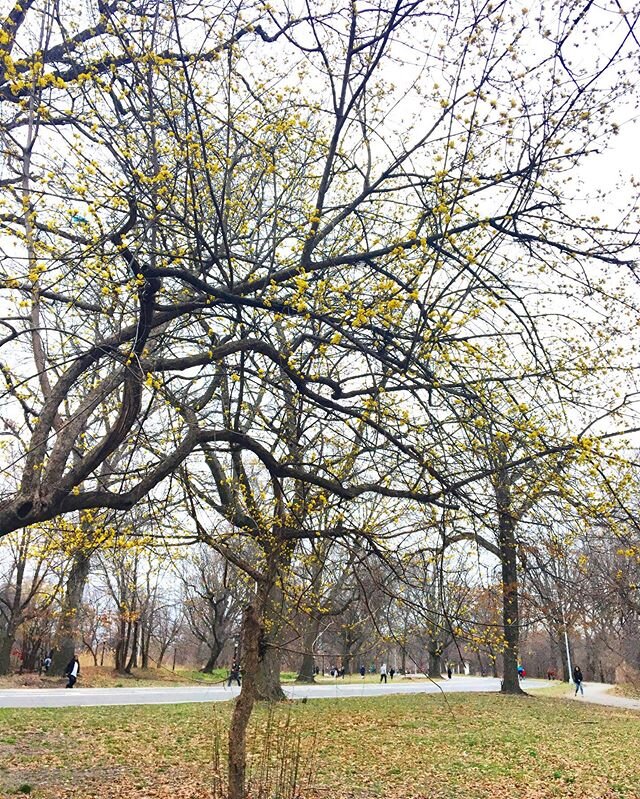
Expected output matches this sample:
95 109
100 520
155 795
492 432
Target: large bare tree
181 181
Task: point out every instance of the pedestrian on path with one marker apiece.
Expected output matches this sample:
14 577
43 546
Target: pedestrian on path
383 672
234 673
577 678
72 672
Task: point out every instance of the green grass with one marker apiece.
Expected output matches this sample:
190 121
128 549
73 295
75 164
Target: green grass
554 688
368 678
405 747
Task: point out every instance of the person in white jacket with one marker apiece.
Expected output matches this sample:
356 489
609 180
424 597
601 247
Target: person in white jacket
383 672
72 671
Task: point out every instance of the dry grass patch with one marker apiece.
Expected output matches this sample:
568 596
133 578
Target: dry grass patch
467 747
106 677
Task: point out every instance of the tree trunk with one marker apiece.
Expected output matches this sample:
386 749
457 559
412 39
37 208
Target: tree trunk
510 610
6 645
214 653
590 660
260 662
161 654
560 648
435 660
67 636
13 620
268 677
145 646
346 662
601 672
133 658
268 687
122 645
94 655
243 707
306 672
348 644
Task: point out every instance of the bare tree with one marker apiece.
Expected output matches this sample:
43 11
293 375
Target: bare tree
27 570
213 595
396 232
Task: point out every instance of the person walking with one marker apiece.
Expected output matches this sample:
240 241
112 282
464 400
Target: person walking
72 672
392 671
362 671
449 672
577 678
383 672
234 673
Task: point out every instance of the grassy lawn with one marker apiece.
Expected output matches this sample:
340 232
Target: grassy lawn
405 747
327 679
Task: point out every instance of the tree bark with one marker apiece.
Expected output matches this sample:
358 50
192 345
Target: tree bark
346 662
214 654
144 651
6 645
268 687
559 647
122 645
94 654
307 673
510 609
13 619
243 707
161 654
435 662
348 645
509 569
268 676
67 636
133 658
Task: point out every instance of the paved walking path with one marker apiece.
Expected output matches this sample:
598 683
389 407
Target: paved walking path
59 697
598 693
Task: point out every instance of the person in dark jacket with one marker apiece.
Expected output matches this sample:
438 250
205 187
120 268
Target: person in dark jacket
72 672
577 678
234 673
